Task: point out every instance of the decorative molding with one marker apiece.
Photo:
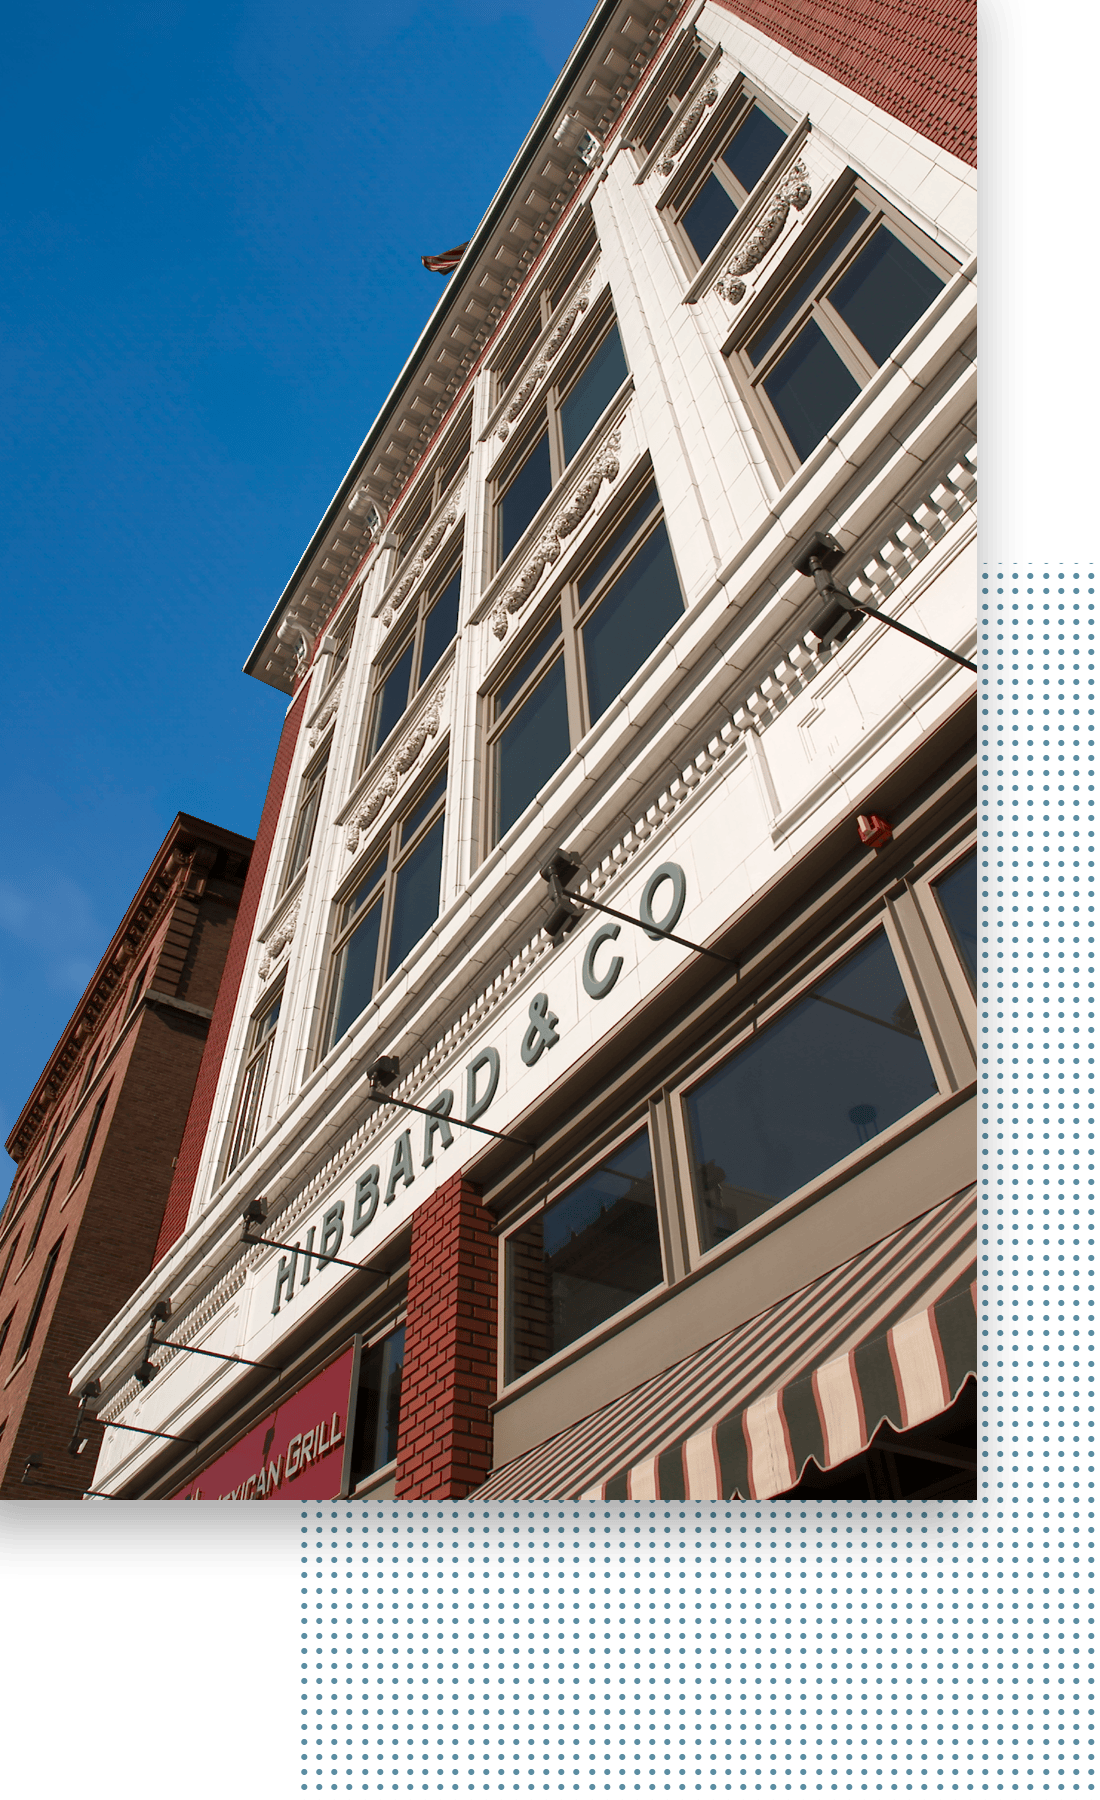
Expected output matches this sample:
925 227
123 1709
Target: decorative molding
794 190
549 546
687 126
540 368
329 707
423 557
279 936
399 764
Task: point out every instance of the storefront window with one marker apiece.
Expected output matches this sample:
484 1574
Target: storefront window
957 893
839 1067
378 1406
583 1258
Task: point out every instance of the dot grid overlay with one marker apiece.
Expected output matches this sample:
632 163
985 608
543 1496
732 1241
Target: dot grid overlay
649 1647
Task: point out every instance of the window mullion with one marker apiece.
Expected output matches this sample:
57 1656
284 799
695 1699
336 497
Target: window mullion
576 696
844 342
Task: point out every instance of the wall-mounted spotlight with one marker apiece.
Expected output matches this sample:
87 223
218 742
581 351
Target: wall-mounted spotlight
842 615
78 1443
382 1074
566 908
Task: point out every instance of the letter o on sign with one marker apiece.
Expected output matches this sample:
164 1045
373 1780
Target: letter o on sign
667 872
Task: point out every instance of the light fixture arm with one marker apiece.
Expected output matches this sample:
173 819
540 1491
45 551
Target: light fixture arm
819 559
568 907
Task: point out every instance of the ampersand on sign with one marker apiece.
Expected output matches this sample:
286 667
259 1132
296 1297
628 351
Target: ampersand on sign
540 1034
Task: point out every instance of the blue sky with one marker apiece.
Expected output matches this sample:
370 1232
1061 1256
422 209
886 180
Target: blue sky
213 217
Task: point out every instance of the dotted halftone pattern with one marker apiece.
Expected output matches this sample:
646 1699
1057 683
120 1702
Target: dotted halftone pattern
635 1647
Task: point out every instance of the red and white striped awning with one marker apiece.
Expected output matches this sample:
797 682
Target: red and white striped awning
889 1336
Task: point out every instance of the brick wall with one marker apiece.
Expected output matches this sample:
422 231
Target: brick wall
445 1438
916 61
106 1221
202 1105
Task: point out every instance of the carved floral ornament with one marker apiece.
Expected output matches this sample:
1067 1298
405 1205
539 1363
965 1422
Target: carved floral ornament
549 547
687 126
329 708
279 938
794 190
540 368
420 562
398 766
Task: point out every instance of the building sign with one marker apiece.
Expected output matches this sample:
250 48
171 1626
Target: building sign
296 1453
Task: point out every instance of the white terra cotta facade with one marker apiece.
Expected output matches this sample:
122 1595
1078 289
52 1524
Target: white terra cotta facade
739 751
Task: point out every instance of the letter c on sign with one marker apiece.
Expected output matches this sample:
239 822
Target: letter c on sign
655 928
599 985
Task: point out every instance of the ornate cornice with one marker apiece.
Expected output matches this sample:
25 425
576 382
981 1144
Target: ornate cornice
404 758
549 546
794 190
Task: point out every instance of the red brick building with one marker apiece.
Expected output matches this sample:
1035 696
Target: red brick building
97 1141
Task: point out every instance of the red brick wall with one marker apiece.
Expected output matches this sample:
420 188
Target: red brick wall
445 1439
917 61
202 1105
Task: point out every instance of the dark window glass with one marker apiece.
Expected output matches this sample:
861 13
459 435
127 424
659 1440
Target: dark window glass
393 698
835 240
524 494
630 621
89 1072
413 820
884 293
830 1074
139 983
753 145
378 1406
9 1258
532 746
5 1328
584 1258
41 1219
440 626
416 896
596 571
89 1140
529 662
810 387
957 893
592 392
39 1300
707 217
354 980
410 524
306 824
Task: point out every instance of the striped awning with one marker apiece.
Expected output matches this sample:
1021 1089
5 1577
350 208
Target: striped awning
889 1336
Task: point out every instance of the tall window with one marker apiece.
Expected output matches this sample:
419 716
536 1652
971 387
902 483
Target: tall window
309 804
41 1219
423 640
570 668
653 118
390 907
572 407
5 1328
712 203
839 312
39 1301
89 1072
261 1039
430 487
9 1259
832 1072
378 1406
86 1147
544 296
583 1258
957 893
136 989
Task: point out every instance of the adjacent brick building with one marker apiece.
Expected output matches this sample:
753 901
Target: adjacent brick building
96 1144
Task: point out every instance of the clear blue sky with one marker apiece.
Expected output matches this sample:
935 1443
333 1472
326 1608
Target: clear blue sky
213 222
